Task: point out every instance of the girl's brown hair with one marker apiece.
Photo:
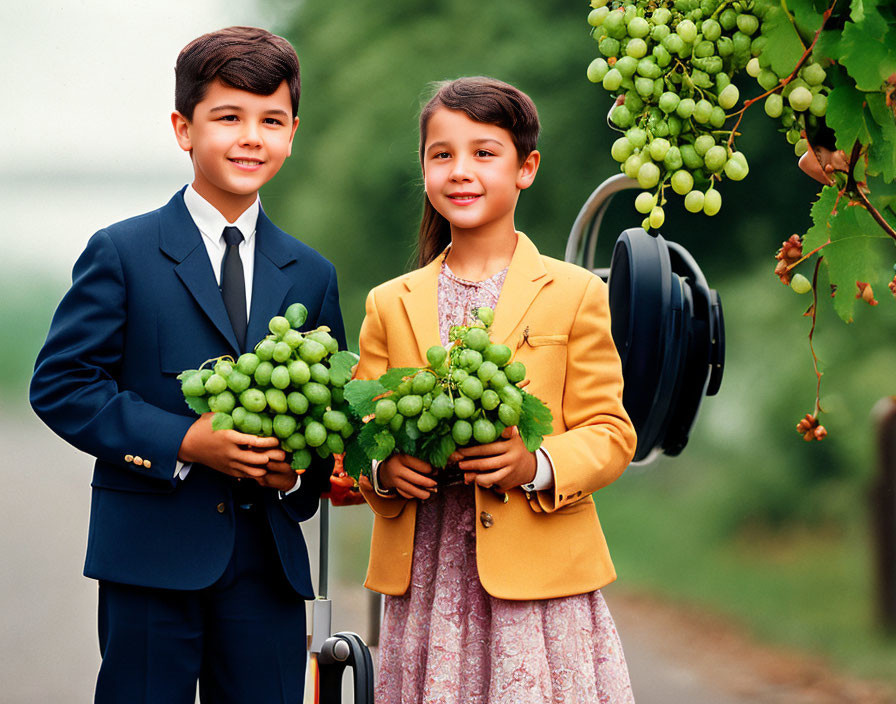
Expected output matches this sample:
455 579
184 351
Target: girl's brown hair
482 99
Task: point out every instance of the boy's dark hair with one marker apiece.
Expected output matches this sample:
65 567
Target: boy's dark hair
248 58
482 99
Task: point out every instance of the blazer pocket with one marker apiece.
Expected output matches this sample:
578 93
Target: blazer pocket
544 340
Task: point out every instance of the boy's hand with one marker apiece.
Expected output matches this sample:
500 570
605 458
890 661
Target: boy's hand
503 464
228 451
408 476
280 475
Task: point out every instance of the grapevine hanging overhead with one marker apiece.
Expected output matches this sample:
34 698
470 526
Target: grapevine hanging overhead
826 72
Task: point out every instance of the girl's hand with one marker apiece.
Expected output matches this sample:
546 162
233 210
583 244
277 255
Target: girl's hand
504 464
408 475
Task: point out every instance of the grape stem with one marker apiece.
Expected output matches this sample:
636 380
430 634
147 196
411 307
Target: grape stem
720 8
826 15
818 374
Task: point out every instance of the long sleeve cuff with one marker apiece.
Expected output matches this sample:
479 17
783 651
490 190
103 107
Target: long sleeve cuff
544 472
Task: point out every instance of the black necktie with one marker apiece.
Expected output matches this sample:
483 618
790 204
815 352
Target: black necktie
233 284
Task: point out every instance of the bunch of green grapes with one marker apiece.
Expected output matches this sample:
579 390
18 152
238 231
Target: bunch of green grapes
800 104
290 387
468 395
669 65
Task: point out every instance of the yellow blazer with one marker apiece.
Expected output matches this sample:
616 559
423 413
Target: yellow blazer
556 316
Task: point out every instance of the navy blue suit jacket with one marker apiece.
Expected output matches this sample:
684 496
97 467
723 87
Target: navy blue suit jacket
144 305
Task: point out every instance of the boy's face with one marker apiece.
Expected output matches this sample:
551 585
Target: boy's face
238 141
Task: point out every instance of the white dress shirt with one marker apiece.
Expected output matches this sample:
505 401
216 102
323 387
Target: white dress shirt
211 226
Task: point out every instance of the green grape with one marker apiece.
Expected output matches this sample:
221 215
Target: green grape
813 74
410 405
515 372
461 432
464 407
458 375
265 349
638 27
693 202
660 32
627 66
276 400
215 384
427 422
608 46
248 363
284 426
819 105
499 354
748 24
729 96
644 86
424 382
657 217
801 147
717 116
703 49
436 356
687 30
793 135
280 377
675 125
511 395
674 44
225 402
767 79
647 67
334 420
315 434
490 399
293 338
486 371
311 351
222 421
251 425
637 137
644 202
335 444
661 16
622 149
800 284
725 47
742 45
668 102
301 459
673 161
736 167
278 325
711 30
685 108
442 406
800 98
282 351
476 339
317 394
239 416
396 422
614 23
658 148
253 400
296 314
712 201
636 48
484 431
193 385
703 143
597 69
471 388
715 158
633 101
498 381
621 116
319 373
689 156
238 382
648 175
728 19
682 182
263 373
702 111
297 403
470 360
774 105
632 165
597 16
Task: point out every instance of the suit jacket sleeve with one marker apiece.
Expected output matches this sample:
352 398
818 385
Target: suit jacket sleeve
600 440
74 388
373 364
304 501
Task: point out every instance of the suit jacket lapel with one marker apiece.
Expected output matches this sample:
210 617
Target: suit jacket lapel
179 238
269 284
526 276
421 302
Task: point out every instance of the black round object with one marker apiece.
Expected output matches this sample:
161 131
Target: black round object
668 328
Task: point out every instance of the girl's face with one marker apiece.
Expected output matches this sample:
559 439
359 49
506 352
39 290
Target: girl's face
472 173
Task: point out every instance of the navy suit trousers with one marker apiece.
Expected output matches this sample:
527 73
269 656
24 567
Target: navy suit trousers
243 638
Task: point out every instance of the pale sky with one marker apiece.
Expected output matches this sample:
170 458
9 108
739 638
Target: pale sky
88 88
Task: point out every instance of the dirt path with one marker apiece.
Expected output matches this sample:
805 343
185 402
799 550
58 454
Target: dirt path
49 653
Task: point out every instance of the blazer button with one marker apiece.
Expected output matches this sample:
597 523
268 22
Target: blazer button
486 519
138 460
128 458
221 508
147 464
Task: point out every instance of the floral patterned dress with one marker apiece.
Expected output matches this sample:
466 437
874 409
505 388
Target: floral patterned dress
447 641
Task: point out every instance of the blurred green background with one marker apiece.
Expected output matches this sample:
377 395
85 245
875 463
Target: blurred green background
750 521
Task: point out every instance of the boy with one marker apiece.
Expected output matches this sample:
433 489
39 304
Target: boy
194 535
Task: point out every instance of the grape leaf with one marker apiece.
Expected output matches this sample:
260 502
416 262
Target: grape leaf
392 378
186 373
819 233
343 361
444 449
359 394
221 421
853 255
784 48
867 51
356 462
881 151
535 421
199 404
385 445
846 115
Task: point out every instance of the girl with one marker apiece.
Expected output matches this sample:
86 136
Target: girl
492 601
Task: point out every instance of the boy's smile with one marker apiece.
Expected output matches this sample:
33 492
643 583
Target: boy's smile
472 172
238 141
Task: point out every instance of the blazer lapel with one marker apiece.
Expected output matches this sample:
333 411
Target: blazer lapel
526 276
421 305
179 238
269 284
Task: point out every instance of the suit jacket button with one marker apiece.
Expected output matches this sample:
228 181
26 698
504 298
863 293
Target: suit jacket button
128 458
147 464
138 460
221 508
486 519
